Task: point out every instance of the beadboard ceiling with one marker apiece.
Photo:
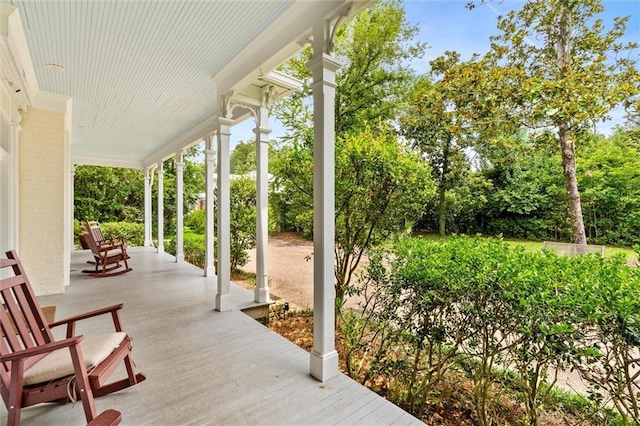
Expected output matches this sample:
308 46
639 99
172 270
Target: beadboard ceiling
143 74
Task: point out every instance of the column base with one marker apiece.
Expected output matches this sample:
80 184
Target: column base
148 243
223 302
160 249
210 271
179 258
323 367
261 295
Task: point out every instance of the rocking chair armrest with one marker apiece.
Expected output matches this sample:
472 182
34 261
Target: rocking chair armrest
109 246
102 311
42 349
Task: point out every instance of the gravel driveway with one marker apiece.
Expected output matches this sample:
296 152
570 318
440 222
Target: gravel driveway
290 273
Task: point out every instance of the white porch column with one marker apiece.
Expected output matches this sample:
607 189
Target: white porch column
72 234
223 298
148 182
160 207
324 358
261 292
13 216
179 206
210 164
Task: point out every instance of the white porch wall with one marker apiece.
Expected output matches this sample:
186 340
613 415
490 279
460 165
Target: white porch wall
43 182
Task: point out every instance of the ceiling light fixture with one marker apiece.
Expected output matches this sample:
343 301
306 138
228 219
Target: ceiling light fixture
55 67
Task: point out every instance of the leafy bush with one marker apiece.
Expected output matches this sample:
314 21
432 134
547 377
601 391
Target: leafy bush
132 233
196 221
194 248
488 307
243 220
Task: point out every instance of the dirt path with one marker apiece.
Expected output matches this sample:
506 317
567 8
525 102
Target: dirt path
290 269
290 273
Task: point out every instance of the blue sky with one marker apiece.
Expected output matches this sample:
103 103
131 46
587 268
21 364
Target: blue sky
449 25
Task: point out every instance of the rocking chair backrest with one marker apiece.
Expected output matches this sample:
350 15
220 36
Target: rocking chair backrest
22 322
91 241
94 229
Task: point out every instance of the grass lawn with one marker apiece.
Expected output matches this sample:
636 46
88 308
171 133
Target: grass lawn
533 246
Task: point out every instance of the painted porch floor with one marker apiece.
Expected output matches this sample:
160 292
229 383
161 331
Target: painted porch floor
203 367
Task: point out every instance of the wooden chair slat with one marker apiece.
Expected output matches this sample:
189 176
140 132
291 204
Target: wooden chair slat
7 262
11 282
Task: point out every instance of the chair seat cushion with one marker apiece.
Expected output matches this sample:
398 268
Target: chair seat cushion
58 363
114 252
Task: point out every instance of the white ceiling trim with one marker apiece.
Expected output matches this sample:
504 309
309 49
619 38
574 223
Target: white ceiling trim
99 161
11 28
169 150
52 102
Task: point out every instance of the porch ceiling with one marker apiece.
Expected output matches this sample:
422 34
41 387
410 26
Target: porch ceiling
143 75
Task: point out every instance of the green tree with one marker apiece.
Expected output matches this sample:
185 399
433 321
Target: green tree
372 88
108 194
374 81
434 125
243 158
554 65
609 175
380 189
242 220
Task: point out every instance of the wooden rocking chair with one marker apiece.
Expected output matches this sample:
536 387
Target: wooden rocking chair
105 252
35 368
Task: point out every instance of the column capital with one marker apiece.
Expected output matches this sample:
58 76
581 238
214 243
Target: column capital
210 155
323 61
224 122
16 118
262 131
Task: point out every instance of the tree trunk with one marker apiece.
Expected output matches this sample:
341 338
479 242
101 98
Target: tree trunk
442 189
442 210
564 49
571 184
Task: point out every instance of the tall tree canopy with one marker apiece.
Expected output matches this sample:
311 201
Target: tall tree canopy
554 65
435 125
374 80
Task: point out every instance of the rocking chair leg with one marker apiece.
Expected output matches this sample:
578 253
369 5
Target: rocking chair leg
130 371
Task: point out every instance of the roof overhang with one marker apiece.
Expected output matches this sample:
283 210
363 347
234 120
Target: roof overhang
136 92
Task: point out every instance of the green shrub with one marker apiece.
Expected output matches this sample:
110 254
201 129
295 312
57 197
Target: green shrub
193 249
132 233
196 221
495 307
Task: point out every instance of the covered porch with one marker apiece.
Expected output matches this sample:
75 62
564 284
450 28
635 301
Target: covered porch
203 366
131 84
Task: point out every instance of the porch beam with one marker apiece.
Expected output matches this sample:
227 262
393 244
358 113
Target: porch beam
324 358
223 297
210 170
179 206
160 207
262 130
